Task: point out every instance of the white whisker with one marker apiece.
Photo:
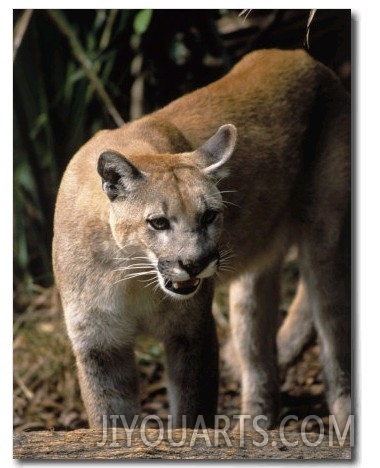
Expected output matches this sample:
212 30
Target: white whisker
133 267
146 260
227 256
152 282
227 191
141 273
149 279
226 253
229 269
133 258
225 203
135 275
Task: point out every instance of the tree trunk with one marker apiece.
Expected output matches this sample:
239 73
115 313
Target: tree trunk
189 444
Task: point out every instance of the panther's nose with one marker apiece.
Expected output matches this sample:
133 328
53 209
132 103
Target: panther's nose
195 268
192 268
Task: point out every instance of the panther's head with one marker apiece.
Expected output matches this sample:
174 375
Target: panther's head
168 208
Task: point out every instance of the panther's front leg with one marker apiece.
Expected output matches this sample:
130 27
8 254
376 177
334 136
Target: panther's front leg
109 386
192 363
103 343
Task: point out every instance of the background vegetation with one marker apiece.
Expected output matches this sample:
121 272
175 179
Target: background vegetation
77 71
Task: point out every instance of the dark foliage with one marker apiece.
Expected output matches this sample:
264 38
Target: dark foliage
76 71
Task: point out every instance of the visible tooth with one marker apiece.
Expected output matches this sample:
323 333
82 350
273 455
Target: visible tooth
182 284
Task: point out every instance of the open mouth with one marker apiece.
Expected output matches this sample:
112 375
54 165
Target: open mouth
183 287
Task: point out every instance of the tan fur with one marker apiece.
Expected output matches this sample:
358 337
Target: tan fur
286 179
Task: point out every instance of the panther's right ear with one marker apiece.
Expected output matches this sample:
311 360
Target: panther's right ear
119 176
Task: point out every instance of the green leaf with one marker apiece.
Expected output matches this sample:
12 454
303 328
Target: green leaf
142 21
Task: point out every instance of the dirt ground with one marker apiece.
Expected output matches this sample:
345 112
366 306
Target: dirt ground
46 391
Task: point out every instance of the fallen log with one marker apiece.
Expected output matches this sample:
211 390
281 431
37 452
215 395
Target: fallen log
177 444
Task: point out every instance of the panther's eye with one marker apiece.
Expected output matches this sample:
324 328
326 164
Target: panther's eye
208 217
159 224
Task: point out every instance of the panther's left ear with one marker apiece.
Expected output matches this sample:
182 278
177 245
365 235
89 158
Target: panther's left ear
213 154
